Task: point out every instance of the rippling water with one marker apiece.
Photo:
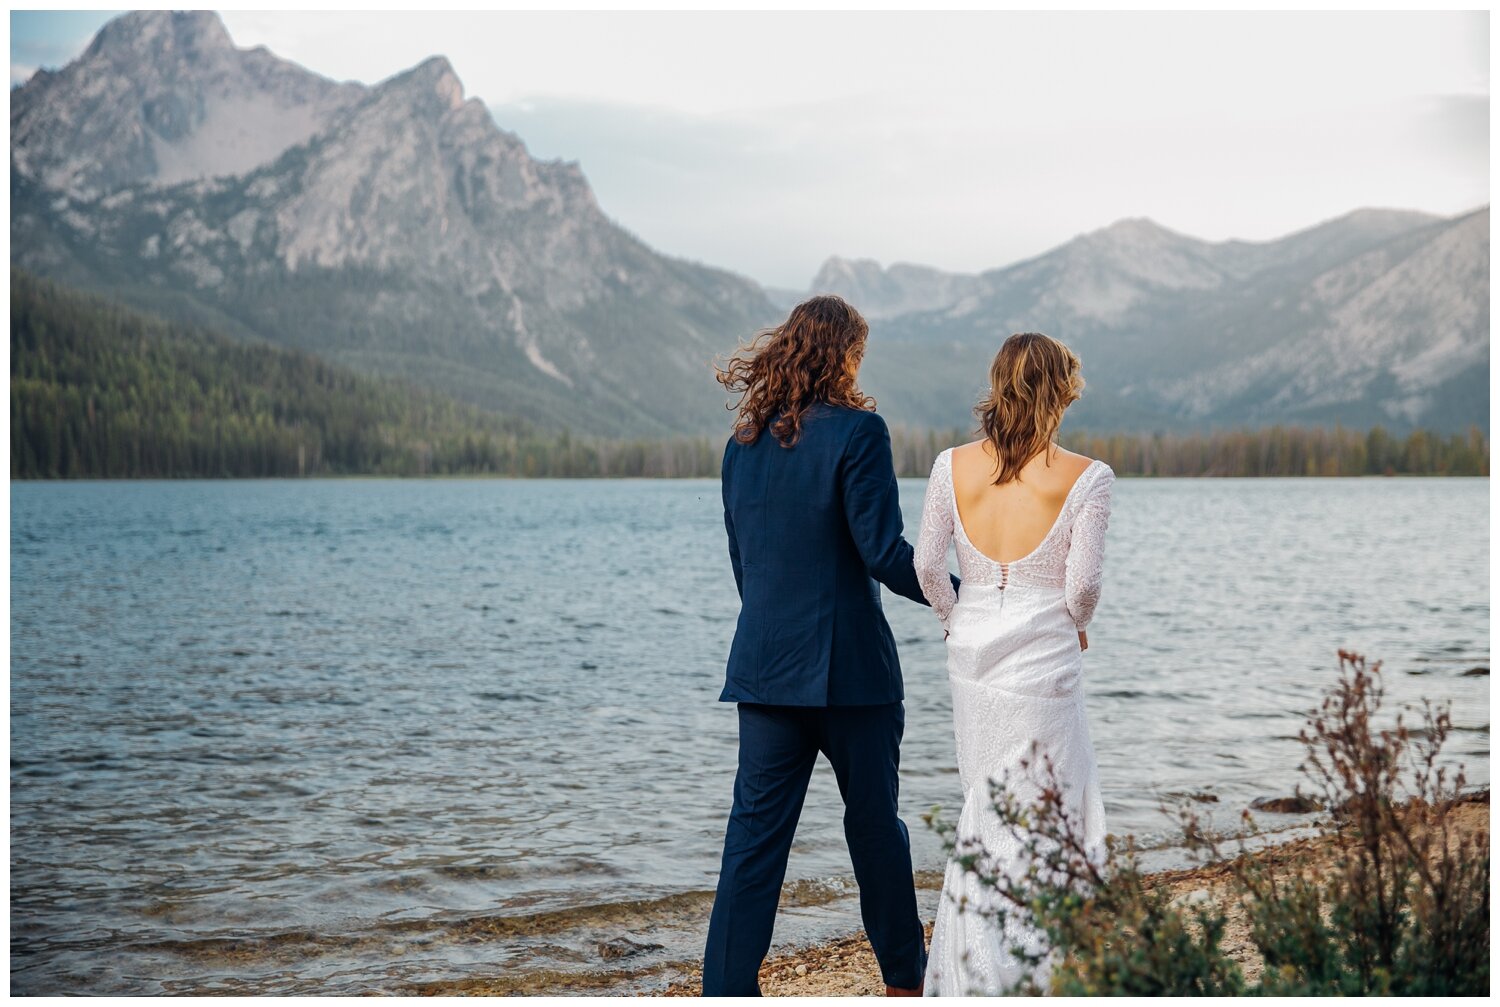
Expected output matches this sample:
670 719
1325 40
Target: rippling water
396 736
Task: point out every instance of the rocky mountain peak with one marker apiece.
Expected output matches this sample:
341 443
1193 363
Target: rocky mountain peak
432 83
881 292
837 272
1135 232
160 34
1100 275
162 97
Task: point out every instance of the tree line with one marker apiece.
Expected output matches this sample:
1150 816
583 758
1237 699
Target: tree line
1269 451
101 391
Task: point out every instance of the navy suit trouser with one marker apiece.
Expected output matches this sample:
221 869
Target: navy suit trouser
778 747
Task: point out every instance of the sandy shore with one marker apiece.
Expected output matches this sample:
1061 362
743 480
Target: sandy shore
847 967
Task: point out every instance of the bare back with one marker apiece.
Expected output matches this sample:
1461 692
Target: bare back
1008 522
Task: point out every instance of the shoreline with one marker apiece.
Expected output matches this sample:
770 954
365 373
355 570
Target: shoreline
846 966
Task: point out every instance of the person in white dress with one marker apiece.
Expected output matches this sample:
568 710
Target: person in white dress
1027 520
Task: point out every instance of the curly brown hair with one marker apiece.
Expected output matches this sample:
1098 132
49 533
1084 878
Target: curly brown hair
1033 380
811 357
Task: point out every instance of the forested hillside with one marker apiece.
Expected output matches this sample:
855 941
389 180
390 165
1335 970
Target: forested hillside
100 391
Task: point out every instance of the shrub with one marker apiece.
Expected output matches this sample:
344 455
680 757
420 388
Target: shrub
1390 899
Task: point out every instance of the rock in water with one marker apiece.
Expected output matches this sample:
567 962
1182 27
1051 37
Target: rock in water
1286 805
624 947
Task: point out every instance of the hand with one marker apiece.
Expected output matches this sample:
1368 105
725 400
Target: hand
1083 640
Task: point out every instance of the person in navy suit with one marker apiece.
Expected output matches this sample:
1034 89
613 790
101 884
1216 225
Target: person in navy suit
814 524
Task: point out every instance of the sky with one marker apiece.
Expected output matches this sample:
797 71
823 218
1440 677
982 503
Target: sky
764 143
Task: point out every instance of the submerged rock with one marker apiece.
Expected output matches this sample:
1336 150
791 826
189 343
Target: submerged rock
624 947
1286 805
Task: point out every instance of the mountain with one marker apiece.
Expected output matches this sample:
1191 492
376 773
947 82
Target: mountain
1400 332
884 293
1375 317
404 234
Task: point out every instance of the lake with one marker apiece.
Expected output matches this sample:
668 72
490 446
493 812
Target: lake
389 736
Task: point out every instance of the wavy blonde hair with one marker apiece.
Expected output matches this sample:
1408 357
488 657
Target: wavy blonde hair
1033 380
807 359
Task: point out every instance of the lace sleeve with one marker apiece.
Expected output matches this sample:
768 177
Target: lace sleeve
931 554
1085 567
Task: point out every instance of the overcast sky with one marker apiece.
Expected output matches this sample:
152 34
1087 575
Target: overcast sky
766 142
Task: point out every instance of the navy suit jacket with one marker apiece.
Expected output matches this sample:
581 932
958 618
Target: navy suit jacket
812 528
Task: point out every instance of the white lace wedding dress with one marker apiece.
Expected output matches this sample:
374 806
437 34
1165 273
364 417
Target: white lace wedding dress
1016 671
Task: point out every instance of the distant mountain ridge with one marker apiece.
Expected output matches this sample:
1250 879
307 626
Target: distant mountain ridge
1106 262
1379 316
395 229
887 292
